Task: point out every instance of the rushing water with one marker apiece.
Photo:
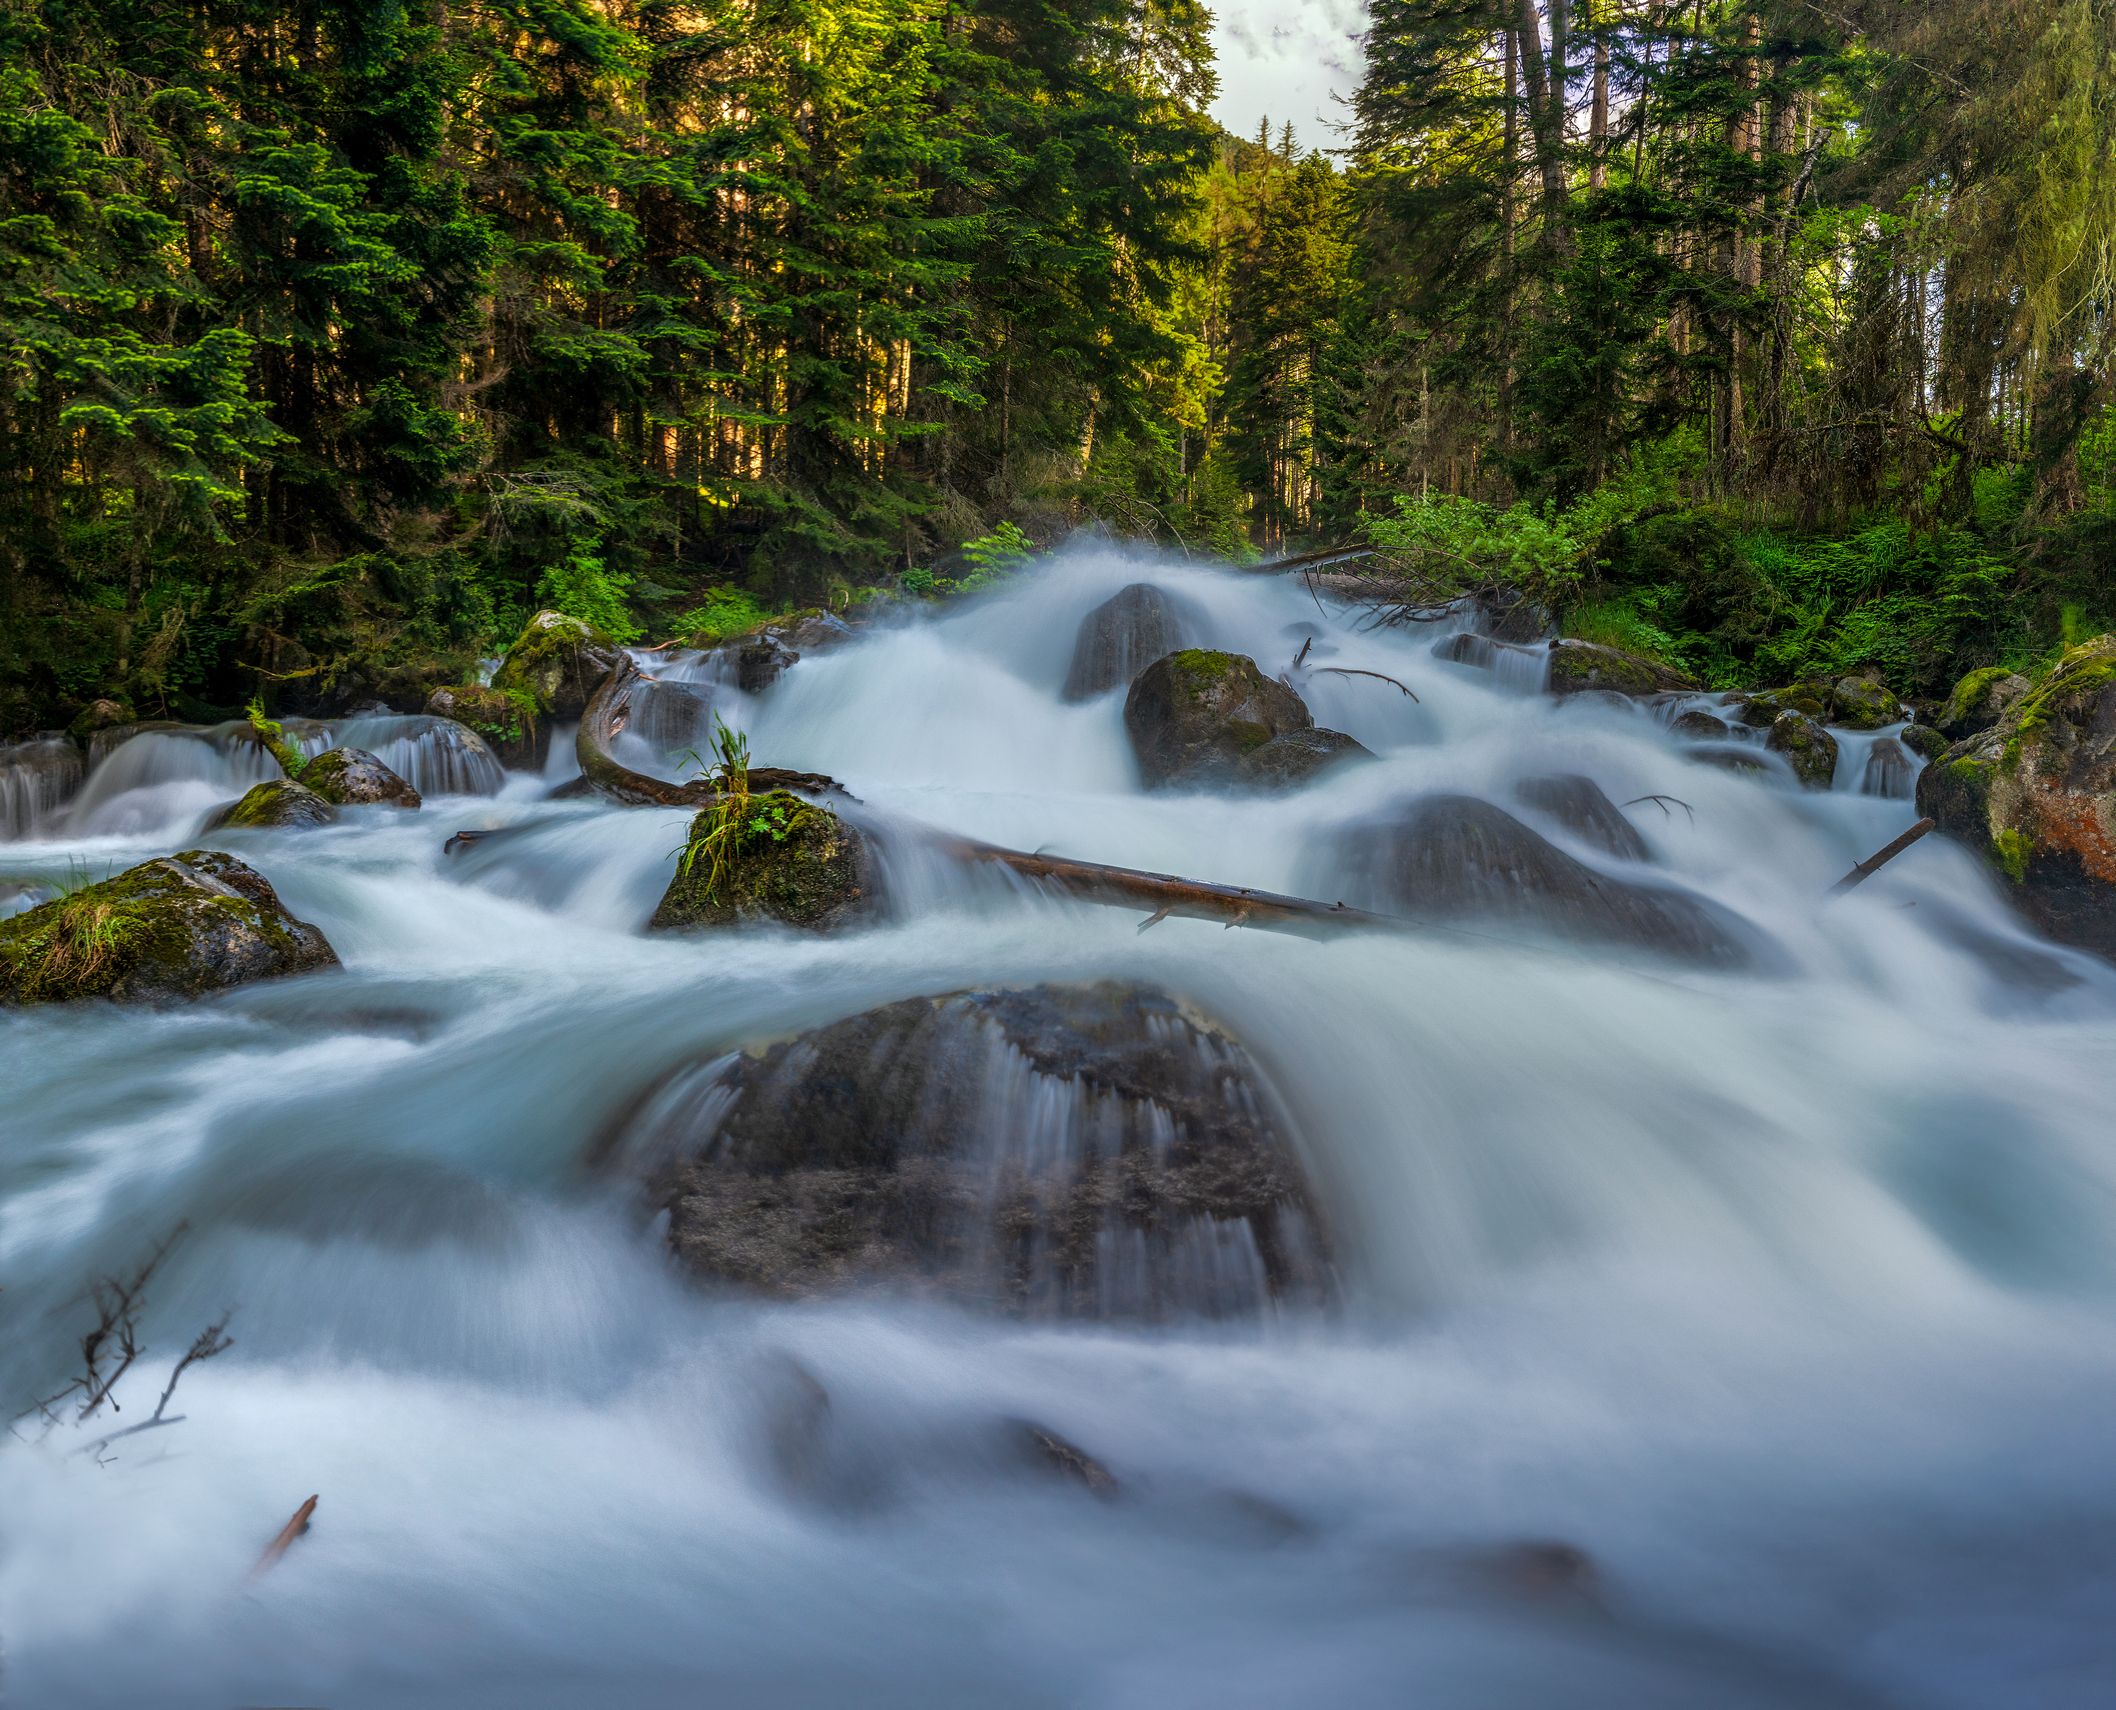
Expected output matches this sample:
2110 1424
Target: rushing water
1785 1297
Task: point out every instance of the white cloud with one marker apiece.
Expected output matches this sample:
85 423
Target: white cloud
1286 62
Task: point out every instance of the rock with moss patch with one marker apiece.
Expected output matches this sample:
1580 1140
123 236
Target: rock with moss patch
1806 747
1695 724
2036 795
352 777
1980 700
1862 701
1196 716
508 722
558 662
1300 757
1923 741
1097 1152
277 803
785 860
1760 708
98 715
758 659
1121 637
177 927
1577 667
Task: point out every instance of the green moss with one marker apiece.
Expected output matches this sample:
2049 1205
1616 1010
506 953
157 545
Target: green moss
1199 669
538 657
2013 847
782 859
2084 667
276 802
1970 692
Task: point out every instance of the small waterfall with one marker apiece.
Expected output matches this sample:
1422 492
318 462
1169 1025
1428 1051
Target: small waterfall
36 777
436 756
1886 768
158 779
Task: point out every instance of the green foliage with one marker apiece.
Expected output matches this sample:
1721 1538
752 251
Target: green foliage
996 556
581 587
272 737
722 613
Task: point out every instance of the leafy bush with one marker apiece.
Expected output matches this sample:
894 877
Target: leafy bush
578 585
722 613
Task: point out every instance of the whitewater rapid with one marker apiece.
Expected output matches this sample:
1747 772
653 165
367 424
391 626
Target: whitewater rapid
1787 1297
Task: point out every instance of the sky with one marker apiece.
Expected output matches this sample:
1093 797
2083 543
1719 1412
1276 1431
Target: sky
1286 61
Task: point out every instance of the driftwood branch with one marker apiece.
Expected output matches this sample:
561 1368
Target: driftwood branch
609 710
293 1529
1875 862
1354 671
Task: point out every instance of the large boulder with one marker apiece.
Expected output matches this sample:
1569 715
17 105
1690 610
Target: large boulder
1577 803
98 715
1455 858
1806 747
755 661
1195 716
776 858
557 661
1299 757
1578 666
352 777
2036 796
507 722
177 927
1065 1151
1120 638
278 803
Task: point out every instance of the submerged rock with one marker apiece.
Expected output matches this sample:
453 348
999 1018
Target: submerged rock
557 661
1449 858
1806 747
785 860
177 927
1576 666
508 723
1062 1151
2036 796
1120 638
1697 725
1299 757
352 777
1195 716
1577 803
1481 651
277 802
1889 772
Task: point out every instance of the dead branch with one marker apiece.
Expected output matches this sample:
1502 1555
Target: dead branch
109 1350
1879 859
1661 801
279 1546
1354 671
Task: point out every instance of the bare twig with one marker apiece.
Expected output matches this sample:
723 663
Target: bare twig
1354 671
1879 859
1661 802
109 1350
210 1341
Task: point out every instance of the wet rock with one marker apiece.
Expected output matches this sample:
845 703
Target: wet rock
507 722
1731 757
1508 615
1980 700
352 777
177 927
1859 701
1063 1151
557 661
1542 1569
1576 666
786 860
1045 1448
1120 638
2036 795
1862 702
1889 771
1449 858
757 660
1195 716
1923 741
278 802
1697 725
1578 804
1466 648
36 777
1299 757
1806 747
1759 710
96 716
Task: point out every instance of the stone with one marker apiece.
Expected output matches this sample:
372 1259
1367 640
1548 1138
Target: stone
1923 741
1576 666
1697 725
1889 771
1806 747
1194 716
103 714
758 659
1120 638
276 803
1299 757
1578 804
1455 858
1760 709
1081 1152
508 722
1862 702
558 662
788 861
352 777
1508 615
177 927
1980 700
2035 794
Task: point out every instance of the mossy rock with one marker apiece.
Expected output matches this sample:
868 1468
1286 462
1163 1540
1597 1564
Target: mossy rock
1196 716
557 661
105 714
1806 747
507 720
352 777
278 802
177 927
2036 795
1862 702
1980 700
1579 667
1923 741
1759 709
792 862
1299 757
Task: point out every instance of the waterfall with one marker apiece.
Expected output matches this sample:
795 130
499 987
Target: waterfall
36 777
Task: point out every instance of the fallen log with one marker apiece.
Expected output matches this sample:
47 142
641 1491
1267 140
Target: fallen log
1879 859
1163 894
1312 560
607 713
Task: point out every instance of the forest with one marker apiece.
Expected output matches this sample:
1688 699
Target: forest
1763 338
